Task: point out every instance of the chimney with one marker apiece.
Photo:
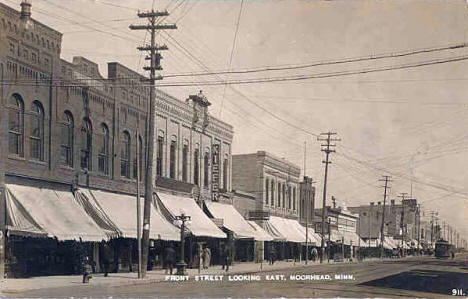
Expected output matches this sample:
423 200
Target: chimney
379 203
392 202
26 9
372 203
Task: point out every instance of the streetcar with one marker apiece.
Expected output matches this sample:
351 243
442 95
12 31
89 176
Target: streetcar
443 249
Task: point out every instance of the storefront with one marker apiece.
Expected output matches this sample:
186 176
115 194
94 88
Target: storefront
48 232
202 231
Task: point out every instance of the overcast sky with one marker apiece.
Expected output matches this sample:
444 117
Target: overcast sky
408 123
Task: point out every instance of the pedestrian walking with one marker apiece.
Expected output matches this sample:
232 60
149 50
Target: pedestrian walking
169 259
314 254
272 256
228 257
206 257
87 269
107 257
222 256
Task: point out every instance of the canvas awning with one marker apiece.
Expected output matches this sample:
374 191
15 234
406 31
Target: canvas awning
288 229
351 238
312 237
272 231
200 225
121 212
49 212
260 233
335 236
232 220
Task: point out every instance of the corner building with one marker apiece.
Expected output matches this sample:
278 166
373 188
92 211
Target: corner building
68 157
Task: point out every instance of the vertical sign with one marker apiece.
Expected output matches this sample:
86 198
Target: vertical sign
215 173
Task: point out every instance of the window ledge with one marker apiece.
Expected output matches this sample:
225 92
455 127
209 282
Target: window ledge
38 162
16 157
66 167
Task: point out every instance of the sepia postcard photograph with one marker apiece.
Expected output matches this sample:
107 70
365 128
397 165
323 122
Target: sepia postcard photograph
233 148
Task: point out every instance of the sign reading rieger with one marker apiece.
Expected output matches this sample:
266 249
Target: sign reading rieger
215 173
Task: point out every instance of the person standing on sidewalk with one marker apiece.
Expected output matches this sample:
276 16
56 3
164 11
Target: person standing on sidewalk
228 257
87 269
169 259
107 256
206 257
272 256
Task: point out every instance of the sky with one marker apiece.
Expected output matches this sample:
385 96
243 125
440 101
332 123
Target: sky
408 123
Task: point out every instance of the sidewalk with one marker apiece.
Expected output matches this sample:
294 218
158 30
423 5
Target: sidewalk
17 285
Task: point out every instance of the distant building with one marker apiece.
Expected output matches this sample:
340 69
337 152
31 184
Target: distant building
307 201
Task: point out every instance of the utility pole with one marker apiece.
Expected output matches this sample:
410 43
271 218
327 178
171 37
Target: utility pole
138 204
327 149
385 179
155 58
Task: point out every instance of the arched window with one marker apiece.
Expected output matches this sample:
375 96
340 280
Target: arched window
196 167
284 196
172 159
185 151
279 195
138 168
289 197
225 173
86 145
67 139
267 189
159 155
37 131
125 155
206 169
16 125
103 155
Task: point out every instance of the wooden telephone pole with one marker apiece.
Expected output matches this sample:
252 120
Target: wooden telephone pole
155 58
327 149
385 179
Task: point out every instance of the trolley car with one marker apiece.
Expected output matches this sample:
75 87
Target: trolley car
443 249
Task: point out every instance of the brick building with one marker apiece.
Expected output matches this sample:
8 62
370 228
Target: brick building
307 201
65 127
400 220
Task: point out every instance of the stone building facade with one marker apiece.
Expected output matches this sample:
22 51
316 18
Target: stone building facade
273 181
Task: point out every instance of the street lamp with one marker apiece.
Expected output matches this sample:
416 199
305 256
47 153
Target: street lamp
181 265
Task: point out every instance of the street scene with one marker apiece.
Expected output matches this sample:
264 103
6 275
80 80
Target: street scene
192 148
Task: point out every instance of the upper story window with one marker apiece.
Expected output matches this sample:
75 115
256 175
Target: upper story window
172 159
206 169
196 167
185 151
284 196
66 135
289 197
103 151
294 198
86 145
225 173
12 49
272 197
279 195
16 125
267 189
125 155
159 156
37 131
